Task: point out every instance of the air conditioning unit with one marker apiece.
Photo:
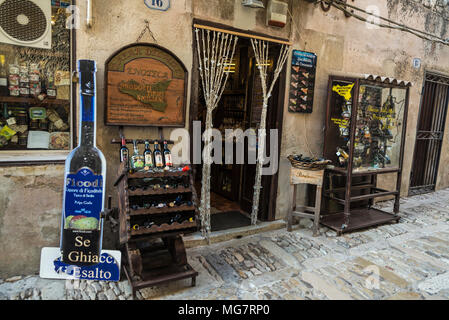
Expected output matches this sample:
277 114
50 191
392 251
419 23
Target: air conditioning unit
277 13
26 23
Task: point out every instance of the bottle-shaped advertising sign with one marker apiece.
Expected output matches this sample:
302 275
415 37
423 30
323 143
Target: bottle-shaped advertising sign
84 184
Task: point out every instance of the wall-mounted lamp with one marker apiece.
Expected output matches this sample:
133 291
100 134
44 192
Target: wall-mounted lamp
253 3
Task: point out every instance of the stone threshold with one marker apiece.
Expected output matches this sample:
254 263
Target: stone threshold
196 239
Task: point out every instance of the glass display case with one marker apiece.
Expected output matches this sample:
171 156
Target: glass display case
364 136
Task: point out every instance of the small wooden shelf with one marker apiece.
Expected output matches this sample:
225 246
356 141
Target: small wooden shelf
355 173
158 191
142 175
164 227
149 174
34 101
139 212
360 219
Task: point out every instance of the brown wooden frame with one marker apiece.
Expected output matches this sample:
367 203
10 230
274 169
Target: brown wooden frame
186 83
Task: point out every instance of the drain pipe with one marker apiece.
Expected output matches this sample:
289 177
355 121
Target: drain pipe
89 19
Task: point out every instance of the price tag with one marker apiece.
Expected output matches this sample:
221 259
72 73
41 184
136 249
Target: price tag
162 5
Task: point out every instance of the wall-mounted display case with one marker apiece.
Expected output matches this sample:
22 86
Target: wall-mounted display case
364 137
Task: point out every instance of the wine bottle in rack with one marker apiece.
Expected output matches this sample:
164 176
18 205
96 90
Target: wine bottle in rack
167 155
137 160
124 153
158 161
84 182
148 155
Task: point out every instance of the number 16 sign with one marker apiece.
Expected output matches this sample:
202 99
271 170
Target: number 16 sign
162 5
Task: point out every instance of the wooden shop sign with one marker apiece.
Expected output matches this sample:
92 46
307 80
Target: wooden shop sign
146 86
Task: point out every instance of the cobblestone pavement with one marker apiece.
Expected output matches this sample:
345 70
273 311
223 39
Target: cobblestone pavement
407 260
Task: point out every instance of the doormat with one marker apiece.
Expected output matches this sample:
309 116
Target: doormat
228 220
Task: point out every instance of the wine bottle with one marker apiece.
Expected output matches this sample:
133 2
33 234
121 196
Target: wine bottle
137 160
84 182
167 155
3 77
158 162
124 153
148 155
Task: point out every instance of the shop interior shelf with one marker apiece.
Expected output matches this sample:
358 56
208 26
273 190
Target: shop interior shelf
33 101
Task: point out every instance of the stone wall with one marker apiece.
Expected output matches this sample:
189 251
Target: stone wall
30 210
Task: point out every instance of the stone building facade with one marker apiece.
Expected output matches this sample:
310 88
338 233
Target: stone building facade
31 195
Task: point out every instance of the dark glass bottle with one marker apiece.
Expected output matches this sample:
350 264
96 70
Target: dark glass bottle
124 152
4 91
84 187
167 155
148 155
158 161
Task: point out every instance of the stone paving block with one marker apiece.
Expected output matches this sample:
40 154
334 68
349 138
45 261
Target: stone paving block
226 272
324 286
435 284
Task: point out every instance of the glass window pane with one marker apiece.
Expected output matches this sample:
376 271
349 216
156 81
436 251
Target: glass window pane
379 126
35 109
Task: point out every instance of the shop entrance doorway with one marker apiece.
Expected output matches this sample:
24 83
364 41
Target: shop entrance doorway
429 134
232 185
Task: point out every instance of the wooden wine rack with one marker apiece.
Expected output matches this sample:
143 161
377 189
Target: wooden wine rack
146 262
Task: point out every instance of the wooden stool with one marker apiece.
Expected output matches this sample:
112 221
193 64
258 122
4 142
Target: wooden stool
315 177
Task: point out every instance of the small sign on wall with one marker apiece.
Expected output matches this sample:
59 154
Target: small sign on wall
302 82
162 5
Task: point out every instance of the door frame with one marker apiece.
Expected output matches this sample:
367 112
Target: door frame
270 206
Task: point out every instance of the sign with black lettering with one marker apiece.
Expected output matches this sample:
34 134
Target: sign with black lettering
145 86
106 269
302 82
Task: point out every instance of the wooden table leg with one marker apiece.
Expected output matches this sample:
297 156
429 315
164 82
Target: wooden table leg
316 220
292 208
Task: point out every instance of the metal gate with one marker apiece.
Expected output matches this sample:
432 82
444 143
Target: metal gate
429 135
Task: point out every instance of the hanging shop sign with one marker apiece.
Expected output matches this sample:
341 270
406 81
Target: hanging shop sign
146 86
162 5
302 82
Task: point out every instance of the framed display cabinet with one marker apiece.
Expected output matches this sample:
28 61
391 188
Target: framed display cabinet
365 128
